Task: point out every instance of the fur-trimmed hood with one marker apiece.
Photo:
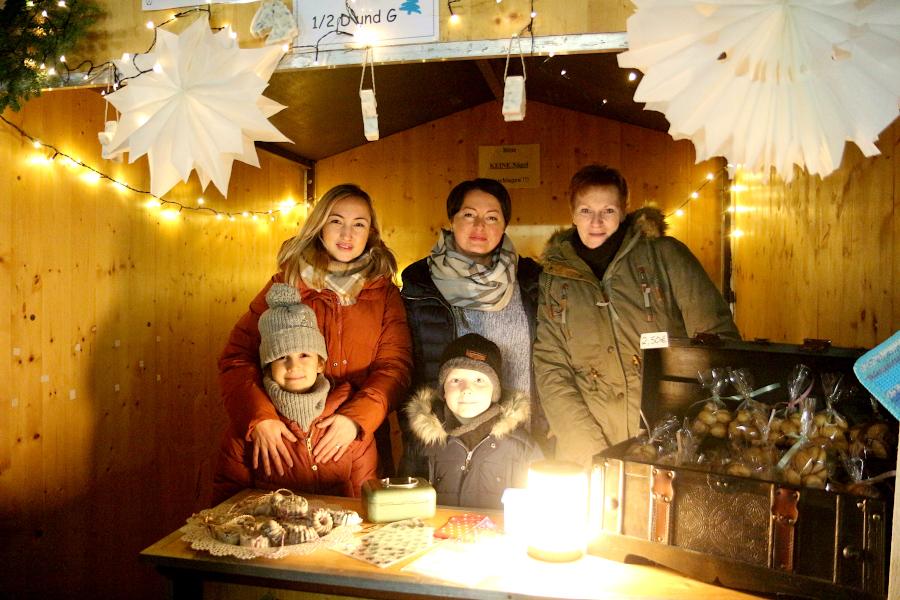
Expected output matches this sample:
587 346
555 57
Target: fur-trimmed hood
515 410
645 223
648 222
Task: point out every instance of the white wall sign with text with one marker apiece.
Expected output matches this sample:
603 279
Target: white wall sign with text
514 166
378 22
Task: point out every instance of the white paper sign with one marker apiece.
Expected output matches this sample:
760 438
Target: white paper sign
655 339
166 4
377 22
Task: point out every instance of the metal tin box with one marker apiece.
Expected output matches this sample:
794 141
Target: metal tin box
744 533
397 498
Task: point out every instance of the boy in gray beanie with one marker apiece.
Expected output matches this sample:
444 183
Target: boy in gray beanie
469 438
292 352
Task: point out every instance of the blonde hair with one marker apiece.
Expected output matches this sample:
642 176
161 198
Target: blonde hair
308 243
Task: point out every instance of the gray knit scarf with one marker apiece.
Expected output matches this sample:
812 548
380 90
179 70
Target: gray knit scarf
467 284
304 407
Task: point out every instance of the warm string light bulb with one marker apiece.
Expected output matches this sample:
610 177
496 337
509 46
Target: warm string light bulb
91 177
454 19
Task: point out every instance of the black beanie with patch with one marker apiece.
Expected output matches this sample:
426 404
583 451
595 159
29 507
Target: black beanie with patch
476 353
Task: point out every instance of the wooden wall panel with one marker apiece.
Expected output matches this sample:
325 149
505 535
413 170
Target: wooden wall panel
113 321
825 249
122 28
410 174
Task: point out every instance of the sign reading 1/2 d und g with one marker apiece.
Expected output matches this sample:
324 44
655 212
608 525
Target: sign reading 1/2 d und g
378 22
513 166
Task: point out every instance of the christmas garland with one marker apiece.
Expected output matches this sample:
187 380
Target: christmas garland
34 38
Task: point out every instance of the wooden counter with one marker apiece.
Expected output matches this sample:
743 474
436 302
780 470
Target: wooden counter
517 576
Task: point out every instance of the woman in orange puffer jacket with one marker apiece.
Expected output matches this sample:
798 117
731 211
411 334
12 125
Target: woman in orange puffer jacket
342 270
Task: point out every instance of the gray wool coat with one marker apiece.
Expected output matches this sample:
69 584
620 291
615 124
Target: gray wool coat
473 475
587 356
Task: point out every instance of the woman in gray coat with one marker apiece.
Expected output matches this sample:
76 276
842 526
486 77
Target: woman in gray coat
607 280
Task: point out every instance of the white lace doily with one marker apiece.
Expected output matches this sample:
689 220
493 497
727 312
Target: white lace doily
196 532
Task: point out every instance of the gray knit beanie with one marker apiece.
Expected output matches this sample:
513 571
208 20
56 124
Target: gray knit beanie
476 353
288 326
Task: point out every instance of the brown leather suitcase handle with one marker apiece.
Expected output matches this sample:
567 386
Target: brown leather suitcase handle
784 527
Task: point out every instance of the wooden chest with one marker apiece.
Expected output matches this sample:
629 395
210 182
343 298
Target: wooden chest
739 532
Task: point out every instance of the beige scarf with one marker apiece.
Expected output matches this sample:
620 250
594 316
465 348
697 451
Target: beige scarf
469 284
346 279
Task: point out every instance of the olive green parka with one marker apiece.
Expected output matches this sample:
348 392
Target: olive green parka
587 356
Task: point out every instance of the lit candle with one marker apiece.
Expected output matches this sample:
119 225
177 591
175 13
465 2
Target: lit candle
558 499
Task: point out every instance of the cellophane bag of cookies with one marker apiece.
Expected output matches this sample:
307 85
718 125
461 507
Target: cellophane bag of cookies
857 484
660 441
715 416
755 458
751 417
873 439
786 428
682 449
832 426
806 462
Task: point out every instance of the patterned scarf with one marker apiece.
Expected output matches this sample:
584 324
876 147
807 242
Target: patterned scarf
346 279
467 284
303 407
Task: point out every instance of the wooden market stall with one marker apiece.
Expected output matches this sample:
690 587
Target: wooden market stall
117 311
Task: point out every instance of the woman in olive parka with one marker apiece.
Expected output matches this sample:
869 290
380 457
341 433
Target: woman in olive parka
607 280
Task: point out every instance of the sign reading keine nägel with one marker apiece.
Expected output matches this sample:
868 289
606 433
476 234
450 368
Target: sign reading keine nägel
368 22
516 166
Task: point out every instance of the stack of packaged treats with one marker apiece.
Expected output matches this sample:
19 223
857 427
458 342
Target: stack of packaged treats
801 442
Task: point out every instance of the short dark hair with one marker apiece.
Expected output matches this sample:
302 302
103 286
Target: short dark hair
488 186
597 176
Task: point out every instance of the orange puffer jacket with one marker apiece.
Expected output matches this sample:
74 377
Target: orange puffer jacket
234 471
368 346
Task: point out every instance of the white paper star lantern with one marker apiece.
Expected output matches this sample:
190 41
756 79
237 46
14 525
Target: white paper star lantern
769 83
200 107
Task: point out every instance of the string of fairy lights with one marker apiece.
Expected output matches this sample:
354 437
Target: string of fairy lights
171 209
679 211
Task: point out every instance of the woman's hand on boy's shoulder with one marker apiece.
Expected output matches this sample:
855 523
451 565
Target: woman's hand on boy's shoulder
341 432
268 445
